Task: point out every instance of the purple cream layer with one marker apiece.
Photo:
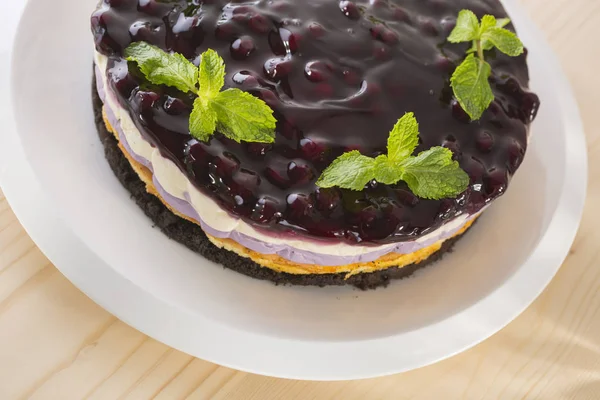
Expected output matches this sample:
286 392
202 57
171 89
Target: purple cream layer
287 252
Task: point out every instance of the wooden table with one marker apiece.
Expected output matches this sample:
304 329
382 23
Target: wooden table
55 343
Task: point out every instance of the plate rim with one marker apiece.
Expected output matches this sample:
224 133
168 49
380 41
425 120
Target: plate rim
32 207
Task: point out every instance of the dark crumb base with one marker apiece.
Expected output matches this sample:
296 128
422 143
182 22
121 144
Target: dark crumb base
193 237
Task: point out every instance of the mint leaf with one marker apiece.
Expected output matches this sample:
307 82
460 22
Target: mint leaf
466 29
502 22
430 175
162 68
487 22
434 175
386 171
203 121
241 116
351 171
504 40
212 74
486 44
471 86
404 138
493 35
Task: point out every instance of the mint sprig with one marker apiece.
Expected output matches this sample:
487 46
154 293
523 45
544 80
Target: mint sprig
470 80
236 114
432 174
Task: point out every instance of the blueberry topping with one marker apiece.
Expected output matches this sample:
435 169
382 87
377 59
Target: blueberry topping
338 75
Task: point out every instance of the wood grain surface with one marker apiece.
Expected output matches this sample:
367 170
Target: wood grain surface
55 343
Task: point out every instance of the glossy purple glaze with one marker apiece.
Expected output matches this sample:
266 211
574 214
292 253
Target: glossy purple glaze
338 75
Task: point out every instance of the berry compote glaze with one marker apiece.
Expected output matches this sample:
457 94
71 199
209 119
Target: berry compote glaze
338 75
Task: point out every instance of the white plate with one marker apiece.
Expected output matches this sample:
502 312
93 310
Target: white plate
176 296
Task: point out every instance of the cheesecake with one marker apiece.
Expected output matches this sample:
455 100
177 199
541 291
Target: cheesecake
337 76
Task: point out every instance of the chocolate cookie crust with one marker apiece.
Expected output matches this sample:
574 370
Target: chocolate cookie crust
193 237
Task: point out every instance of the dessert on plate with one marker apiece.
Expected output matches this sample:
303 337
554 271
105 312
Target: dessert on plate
316 142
